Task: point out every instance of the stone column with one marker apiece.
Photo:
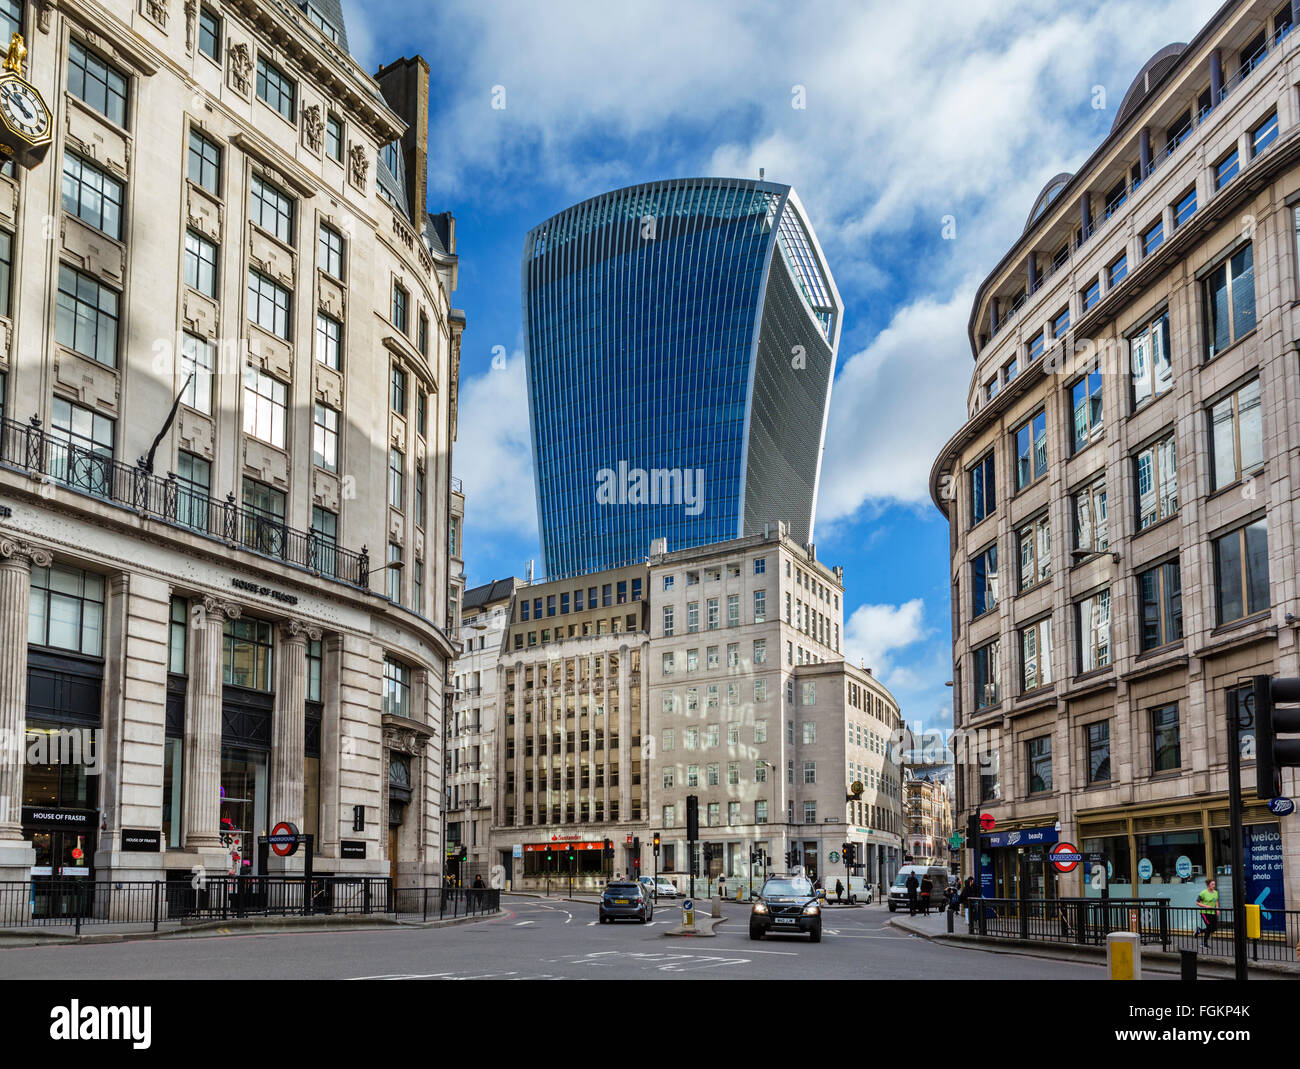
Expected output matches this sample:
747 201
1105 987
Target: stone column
288 725
624 732
591 738
16 562
520 763
203 725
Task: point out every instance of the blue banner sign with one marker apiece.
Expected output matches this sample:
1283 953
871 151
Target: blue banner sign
1020 837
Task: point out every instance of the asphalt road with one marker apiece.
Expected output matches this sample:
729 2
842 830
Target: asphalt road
538 939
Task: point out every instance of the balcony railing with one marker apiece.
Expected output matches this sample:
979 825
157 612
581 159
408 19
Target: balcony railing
31 448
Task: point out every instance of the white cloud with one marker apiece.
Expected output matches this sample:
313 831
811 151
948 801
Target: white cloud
893 405
874 632
493 454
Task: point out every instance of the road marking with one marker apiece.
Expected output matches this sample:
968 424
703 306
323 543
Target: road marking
521 924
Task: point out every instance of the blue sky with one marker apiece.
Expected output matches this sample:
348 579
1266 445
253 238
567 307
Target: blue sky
912 116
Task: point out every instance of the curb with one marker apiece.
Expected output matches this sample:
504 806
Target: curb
1152 960
204 929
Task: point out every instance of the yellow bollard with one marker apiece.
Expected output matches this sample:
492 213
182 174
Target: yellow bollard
1124 956
1253 925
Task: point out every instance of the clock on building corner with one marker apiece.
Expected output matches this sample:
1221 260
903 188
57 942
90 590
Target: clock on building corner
26 125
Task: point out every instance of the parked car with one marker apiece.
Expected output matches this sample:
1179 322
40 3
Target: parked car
786 904
936 874
626 899
663 888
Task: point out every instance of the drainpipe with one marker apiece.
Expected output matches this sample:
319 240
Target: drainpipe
1216 74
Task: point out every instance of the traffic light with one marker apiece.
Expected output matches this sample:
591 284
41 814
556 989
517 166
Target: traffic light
1273 754
550 855
636 862
636 846
656 844
850 854
692 817
753 855
788 862
572 856
973 831
464 852
708 853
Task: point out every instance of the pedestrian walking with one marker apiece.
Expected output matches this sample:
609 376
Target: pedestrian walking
839 891
722 887
913 885
1208 901
927 893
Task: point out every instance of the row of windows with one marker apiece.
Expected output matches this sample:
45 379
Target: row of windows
1241 589
713 617
613 625
1236 448
66 612
1164 751
572 600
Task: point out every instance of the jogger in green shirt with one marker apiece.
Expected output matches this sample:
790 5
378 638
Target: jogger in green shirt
1208 900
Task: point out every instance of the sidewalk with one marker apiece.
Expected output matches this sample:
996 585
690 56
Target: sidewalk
1211 967
119 933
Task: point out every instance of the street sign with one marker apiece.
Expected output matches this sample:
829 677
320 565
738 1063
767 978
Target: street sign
1065 857
284 839
987 823
1281 807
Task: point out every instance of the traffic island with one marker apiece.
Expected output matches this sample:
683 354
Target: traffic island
695 923
703 927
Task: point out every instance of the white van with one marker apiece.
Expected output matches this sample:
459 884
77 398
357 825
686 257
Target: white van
936 874
856 889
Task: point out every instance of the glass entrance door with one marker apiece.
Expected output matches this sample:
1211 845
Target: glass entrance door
62 876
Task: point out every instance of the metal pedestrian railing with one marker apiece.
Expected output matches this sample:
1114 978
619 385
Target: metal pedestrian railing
91 470
1087 921
78 903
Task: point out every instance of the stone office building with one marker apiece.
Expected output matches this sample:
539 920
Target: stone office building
570 723
756 712
1122 496
248 624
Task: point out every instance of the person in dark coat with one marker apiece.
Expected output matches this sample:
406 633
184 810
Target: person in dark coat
913 886
927 893
839 891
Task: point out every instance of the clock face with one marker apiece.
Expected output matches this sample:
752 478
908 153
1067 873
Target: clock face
24 110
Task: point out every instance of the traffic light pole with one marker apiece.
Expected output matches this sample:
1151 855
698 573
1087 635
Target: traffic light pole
1236 836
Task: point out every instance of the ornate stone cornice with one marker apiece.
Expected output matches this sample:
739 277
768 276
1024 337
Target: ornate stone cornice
24 553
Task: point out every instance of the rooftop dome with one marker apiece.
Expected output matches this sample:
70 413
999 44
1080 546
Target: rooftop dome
1147 78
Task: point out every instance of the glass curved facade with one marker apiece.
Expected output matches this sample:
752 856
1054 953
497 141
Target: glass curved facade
680 340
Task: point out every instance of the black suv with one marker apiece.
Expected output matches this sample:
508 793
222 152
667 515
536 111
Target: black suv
786 904
629 900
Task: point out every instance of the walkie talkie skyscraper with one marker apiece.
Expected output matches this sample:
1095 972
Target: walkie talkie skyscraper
680 340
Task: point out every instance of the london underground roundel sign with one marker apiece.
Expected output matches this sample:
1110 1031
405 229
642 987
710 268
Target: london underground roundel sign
987 823
1066 857
289 833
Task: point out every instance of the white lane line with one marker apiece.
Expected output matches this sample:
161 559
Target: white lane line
521 924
